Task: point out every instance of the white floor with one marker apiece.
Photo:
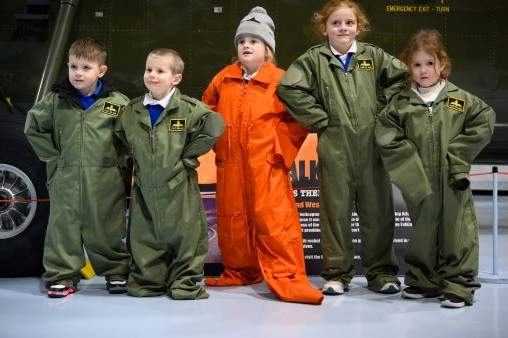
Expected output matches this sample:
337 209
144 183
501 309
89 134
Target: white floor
244 312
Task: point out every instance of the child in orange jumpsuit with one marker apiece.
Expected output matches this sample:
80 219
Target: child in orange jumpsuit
258 222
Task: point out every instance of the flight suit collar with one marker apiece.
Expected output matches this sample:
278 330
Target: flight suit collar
414 98
327 52
144 118
234 71
448 90
174 103
264 73
149 100
65 90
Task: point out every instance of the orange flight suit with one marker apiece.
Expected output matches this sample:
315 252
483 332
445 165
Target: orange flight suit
258 223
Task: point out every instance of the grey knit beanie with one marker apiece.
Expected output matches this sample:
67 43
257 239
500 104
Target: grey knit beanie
259 24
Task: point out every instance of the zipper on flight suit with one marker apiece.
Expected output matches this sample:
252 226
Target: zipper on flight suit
152 144
245 158
244 134
351 109
82 143
353 115
156 220
80 168
433 155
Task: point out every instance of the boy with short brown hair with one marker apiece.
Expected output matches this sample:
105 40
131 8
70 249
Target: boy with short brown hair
167 131
71 129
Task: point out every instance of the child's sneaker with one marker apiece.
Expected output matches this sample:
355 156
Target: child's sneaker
452 301
413 292
333 288
60 291
390 288
117 286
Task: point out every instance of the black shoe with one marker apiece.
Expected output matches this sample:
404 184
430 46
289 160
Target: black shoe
452 301
59 291
116 287
414 292
390 288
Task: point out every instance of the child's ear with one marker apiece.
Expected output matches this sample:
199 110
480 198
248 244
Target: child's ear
322 28
177 80
102 70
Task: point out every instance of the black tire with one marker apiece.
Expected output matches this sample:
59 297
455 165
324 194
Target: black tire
21 253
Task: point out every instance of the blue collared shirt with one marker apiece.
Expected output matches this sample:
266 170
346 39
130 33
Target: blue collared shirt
345 58
156 107
88 101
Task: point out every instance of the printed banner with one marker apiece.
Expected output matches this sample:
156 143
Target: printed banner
304 176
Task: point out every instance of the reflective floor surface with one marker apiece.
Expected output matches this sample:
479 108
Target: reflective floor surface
251 311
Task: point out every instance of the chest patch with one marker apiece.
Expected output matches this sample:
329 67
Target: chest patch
111 109
365 64
177 124
455 103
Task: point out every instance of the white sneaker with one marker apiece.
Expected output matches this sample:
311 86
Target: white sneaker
390 288
452 301
413 292
117 286
333 287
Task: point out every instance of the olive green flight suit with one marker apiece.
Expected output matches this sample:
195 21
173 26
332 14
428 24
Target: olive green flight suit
168 232
428 155
85 184
343 106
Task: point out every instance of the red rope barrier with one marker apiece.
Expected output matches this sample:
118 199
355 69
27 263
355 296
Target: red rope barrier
299 188
38 200
488 173
479 174
25 201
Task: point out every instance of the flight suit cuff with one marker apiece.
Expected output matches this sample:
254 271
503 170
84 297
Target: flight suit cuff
321 125
191 162
459 181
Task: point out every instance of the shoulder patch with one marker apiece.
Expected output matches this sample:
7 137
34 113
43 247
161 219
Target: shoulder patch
365 64
398 64
291 77
111 109
455 103
178 124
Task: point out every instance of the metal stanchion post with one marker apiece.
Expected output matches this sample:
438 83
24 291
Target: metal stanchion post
494 220
494 277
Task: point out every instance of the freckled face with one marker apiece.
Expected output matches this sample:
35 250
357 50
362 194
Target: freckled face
341 29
